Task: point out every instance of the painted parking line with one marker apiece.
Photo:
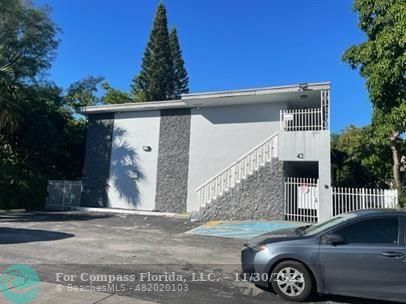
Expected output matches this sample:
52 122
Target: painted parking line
241 229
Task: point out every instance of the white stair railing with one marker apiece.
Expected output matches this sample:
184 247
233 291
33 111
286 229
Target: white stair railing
237 171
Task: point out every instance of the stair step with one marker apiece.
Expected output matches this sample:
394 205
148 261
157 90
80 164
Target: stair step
250 162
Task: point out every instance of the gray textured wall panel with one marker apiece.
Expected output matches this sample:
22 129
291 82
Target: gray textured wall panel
173 160
97 160
258 197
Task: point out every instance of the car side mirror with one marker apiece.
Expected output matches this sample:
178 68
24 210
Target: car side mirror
332 239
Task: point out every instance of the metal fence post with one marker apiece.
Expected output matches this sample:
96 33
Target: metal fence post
63 194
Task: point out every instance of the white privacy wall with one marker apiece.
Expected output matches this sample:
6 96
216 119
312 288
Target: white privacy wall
220 135
132 131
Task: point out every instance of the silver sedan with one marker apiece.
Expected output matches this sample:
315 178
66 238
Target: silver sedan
360 254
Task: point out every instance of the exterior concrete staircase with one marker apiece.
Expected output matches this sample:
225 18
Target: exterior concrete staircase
241 169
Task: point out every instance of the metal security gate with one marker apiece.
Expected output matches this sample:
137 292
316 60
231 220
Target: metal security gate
301 199
63 194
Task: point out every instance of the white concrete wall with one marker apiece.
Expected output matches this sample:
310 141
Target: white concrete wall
132 131
312 144
220 135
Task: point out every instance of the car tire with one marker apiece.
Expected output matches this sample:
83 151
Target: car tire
292 281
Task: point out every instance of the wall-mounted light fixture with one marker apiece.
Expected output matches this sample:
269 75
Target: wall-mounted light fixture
303 86
300 155
147 148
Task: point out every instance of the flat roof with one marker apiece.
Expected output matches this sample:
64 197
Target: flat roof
220 98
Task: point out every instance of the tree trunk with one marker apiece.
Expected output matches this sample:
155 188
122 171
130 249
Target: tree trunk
395 158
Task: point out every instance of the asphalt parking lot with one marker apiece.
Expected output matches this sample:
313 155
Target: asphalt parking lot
62 246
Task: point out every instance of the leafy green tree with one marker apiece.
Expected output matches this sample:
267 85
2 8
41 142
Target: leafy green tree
40 137
155 80
27 39
10 104
381 60
27 45
48 144
358 159
114 96
180 75
84 92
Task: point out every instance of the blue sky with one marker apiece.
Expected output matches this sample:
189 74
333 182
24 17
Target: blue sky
226 44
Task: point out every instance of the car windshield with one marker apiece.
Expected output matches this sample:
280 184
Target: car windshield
314 229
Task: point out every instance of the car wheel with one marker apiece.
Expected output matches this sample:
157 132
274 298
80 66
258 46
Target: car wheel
292 281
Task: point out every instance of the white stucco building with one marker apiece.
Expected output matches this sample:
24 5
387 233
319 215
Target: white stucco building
218 154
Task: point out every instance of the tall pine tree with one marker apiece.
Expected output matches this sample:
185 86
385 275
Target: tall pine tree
155 80
163 75
180 76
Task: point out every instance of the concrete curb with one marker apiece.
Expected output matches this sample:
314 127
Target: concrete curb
12 210
134 212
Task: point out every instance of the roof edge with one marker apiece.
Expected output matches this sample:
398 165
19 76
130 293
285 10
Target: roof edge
258 91
136 106
183 102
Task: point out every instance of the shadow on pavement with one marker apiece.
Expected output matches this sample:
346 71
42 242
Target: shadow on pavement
335 299
19 235
351 300
49 217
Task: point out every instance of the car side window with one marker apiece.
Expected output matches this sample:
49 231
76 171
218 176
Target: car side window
374 231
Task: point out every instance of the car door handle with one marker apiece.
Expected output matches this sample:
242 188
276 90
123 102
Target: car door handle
393 254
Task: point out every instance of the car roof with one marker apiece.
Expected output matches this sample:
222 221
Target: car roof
380 211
